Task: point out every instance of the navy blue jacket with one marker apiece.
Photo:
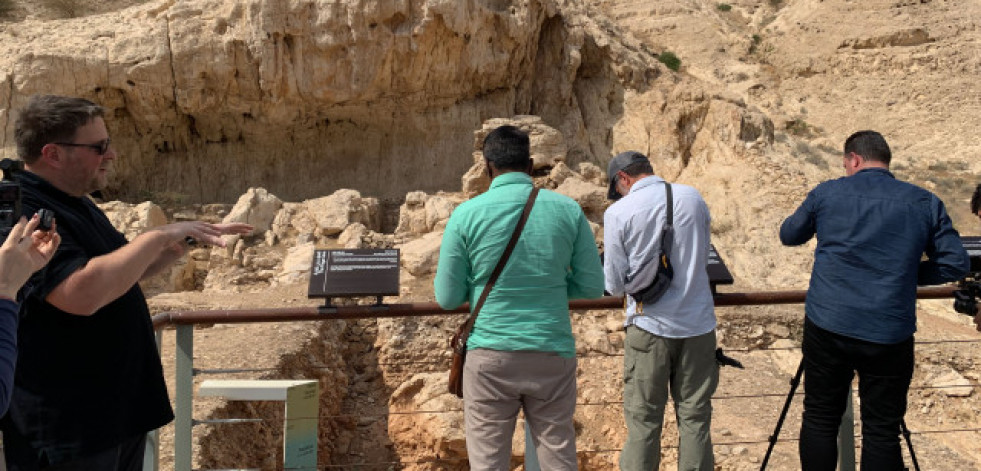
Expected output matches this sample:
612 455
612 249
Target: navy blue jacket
872 232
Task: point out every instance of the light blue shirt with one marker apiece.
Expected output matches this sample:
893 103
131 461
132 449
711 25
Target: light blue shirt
555 260
632 243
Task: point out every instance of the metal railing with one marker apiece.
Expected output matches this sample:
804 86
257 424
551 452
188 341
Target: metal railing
184 322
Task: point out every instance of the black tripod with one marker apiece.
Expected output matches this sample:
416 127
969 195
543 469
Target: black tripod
783 415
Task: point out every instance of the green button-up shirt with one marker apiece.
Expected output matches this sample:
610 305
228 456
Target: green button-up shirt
554 261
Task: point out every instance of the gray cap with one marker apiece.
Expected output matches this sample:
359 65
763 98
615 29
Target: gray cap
620 162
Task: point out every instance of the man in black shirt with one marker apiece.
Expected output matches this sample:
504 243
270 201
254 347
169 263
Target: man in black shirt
88 384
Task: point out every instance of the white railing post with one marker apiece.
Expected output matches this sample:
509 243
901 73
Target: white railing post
183 421
151 453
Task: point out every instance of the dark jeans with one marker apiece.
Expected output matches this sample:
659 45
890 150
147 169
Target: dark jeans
126 456
884 374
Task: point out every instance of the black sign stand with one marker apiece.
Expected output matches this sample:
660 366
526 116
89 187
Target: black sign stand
353 272
972 244
717 272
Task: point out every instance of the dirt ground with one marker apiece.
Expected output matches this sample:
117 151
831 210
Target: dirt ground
365 373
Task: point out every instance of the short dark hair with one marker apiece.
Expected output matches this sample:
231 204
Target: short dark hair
869 144
638 168
51 118
508 148
976 200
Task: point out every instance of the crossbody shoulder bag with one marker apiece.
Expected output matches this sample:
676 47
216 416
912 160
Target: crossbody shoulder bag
665 272
459 342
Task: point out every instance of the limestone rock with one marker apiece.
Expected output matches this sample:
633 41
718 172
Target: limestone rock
426 435
591 197
333 213
475 181
256 207
592 173
282 222
412 214
421 255
438 210
353 236
950 382
296 265
560 172
133 220
423 213
786 355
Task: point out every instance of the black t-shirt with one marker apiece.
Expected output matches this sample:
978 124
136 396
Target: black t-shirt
82 383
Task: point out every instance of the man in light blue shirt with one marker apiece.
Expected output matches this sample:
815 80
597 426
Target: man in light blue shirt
670 343
521 353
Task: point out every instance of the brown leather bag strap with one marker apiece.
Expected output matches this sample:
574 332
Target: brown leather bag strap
468 325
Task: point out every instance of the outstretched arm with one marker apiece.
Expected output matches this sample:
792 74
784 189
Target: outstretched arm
800 226
176 250
107 277
946 258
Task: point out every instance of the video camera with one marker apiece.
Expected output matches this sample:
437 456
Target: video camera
10 208
966 298
9 196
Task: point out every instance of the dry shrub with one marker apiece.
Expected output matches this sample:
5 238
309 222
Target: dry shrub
64 8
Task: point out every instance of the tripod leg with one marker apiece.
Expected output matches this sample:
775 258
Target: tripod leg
909 443
783 414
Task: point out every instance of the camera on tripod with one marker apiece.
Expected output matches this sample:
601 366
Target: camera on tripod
966 297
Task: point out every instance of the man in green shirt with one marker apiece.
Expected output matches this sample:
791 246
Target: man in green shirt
521 352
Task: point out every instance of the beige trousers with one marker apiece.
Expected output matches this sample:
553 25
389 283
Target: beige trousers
497 384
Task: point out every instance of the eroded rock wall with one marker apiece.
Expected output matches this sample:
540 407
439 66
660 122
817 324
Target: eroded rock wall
208 98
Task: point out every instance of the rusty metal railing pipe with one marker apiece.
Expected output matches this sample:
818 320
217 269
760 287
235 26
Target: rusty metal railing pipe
313 313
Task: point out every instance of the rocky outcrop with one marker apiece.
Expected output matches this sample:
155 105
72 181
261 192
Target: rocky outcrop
208 98
422 213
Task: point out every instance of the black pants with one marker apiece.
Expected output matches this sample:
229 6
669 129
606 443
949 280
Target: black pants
126 456
884 374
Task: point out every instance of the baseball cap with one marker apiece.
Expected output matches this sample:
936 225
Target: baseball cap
620 162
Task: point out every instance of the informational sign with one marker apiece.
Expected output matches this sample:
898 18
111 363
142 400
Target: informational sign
354 272
973 247
717 272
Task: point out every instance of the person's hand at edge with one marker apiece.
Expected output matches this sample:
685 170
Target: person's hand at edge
25 251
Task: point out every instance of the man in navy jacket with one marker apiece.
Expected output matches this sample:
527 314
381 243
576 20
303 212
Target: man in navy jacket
872 232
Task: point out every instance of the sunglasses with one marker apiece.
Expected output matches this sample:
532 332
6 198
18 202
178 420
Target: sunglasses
100 147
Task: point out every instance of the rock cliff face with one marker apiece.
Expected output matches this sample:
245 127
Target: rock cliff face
321 112
208 98
822 69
